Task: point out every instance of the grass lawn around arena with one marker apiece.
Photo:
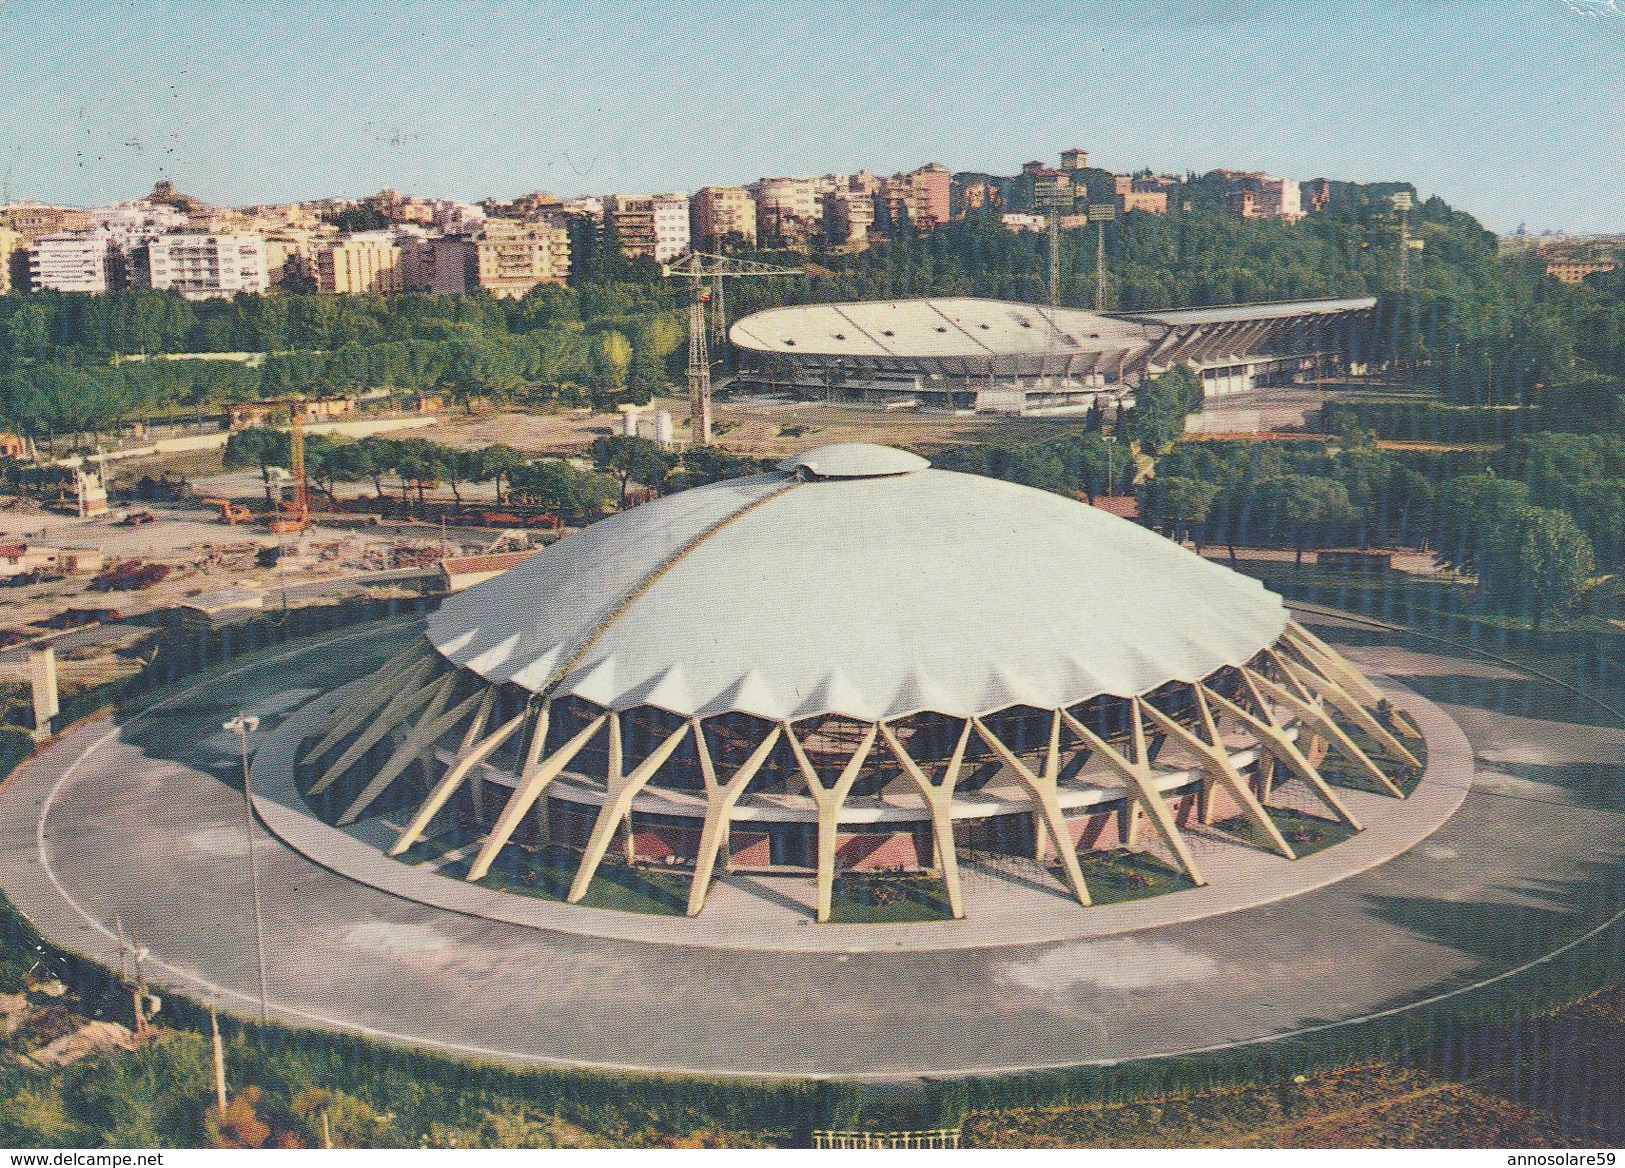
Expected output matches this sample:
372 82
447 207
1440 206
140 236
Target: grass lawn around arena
1307 833
546 870
882 898
1338 771
1119 875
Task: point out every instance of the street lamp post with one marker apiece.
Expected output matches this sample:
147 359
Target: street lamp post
243 725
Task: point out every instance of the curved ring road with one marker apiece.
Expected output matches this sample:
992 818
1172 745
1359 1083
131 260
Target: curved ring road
137 823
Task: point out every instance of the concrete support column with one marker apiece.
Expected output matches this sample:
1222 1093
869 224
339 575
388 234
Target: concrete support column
1217 769
1311 714
534 776
417 748
828 802
401 705
618 805
939 798
720 800
1345 703
1136 772
1043 792
1274 739
472 752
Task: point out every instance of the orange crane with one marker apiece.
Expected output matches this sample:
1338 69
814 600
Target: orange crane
293 515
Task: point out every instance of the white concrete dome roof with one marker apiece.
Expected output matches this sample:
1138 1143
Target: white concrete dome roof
874 597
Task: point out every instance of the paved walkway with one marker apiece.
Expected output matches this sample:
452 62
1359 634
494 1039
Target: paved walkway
145 829
754 912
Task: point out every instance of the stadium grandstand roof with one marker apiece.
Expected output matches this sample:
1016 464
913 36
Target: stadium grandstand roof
1249 313
955 335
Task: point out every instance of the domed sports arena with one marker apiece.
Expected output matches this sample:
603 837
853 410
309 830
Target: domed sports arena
856 663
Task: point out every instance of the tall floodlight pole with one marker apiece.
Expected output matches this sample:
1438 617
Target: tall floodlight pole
243 725
1054 286
1402 204
700 268
1100 266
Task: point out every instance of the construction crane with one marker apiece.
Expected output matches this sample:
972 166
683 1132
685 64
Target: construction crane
705 272
293 515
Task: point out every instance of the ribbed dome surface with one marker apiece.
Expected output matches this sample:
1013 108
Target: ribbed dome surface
869 597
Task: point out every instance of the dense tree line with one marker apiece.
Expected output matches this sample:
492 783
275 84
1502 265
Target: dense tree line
1533 522
575 494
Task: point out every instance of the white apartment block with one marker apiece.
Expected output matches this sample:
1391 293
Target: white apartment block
74 262
201 267
1281 197
651 225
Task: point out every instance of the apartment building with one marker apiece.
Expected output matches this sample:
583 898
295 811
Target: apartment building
789 211
1263 197
203 266
930 194
512 257
848 216
972 194
443 265
716 213
1151 202
70 262
36 220
1572 271
656 226
11 247
363 263
290 255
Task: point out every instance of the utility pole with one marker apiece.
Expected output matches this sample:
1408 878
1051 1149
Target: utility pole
700 268
219 1060
243 725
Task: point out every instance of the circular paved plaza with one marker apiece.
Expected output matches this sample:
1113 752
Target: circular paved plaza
1511 847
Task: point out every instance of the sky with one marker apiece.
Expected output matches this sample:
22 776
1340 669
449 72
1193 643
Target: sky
1509 109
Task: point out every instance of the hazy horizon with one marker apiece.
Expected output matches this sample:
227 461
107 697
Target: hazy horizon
1505 108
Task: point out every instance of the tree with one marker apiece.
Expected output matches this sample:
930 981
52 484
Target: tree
1536 560
461 466
1468 509
611 357
629 458
1161 406
1095 465
1300 504
261 447
709 464
371 458
1599 509
569 493
1175 505
419 462
325 462
499 462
